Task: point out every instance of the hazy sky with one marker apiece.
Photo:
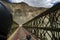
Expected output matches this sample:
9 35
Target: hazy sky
37 3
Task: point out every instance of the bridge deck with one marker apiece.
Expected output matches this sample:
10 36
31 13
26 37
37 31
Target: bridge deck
20 34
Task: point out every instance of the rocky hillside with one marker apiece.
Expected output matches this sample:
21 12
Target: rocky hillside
22 12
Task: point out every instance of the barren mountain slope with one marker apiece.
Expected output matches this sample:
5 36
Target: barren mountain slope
22 12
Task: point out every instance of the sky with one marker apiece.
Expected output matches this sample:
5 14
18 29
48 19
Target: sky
37 3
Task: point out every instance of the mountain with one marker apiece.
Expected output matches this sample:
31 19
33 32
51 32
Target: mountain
22 12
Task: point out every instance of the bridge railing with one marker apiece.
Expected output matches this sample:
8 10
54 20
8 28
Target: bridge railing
46 26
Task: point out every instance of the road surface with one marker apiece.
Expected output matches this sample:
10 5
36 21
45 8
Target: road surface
20 34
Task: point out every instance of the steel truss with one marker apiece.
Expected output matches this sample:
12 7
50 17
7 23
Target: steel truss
46 26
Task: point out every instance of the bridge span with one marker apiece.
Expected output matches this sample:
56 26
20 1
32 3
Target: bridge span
45 26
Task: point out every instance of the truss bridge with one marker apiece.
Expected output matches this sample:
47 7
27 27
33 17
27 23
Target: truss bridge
45 26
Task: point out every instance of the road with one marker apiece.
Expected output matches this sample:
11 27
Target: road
20 34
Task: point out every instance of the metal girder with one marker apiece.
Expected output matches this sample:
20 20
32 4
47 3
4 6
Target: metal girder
47 23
